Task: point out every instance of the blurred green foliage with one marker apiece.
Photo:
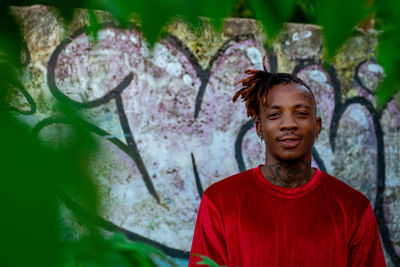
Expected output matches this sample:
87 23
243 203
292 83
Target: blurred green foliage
338 19
34 174
388 20
273 13
27 197
113 251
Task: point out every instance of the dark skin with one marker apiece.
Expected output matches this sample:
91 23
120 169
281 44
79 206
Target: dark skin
289 126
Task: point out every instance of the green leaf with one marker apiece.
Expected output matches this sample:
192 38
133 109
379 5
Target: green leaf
307 11
215 10
154 15
389 58
207 261
338 18
119 242
66 8
28 228
273 14
241 10
32 174
387 89
91 251
10 39
387 12
119 8
388 47
93 27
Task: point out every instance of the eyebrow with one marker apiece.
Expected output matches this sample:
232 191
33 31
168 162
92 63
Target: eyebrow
296 106
303 106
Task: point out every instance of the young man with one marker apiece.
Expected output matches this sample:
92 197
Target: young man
285 213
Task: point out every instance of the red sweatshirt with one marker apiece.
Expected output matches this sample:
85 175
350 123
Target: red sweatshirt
244 220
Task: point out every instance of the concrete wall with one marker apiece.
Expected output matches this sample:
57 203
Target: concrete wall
167 127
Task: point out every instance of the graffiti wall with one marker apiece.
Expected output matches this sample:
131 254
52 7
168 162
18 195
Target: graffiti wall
167 127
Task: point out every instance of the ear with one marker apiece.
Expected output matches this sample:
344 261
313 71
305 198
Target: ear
258 127
318 125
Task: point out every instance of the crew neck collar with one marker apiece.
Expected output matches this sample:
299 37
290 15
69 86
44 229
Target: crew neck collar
286 192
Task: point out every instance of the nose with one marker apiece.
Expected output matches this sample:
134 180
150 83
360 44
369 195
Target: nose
288 122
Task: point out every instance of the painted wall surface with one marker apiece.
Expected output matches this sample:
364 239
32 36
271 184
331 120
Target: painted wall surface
167 127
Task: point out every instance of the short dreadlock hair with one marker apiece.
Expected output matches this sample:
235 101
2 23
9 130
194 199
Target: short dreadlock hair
255 88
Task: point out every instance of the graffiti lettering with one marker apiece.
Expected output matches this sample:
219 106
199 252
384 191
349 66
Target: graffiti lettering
178 130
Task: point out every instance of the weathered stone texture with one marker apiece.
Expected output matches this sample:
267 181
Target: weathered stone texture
175 101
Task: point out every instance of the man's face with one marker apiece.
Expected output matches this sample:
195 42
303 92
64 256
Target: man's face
288 123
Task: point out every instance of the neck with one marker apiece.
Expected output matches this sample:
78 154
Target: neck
288 173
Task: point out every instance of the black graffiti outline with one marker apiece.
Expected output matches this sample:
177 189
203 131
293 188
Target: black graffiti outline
25 55
250 123
339 109
204 76
84 213
239 154
238 144
28 98
197 176
111 227
381 171
113 94
25 60
357 77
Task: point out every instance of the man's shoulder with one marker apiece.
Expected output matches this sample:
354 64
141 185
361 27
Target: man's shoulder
344 191
232 184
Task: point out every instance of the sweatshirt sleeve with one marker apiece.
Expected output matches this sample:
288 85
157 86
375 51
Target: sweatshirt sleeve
209 237
365 248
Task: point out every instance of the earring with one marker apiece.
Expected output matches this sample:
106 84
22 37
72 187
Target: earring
261 139
316 137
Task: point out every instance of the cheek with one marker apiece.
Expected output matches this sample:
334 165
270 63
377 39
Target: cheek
309 127
313 131
268 133
269 136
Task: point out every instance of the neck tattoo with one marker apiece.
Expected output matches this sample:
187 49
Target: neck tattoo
288 174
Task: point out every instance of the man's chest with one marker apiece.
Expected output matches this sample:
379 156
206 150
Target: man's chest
286 230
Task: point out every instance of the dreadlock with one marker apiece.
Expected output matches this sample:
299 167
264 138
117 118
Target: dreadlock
256 87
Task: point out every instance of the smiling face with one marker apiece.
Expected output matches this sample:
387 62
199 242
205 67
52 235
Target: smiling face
288 123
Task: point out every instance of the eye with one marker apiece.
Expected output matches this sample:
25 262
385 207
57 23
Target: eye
302 113
273 115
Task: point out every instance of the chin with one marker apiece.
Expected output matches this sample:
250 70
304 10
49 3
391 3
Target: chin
290 157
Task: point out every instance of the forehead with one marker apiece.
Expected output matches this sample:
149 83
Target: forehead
289 94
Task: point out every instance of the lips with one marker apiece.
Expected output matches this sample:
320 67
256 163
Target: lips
289 142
